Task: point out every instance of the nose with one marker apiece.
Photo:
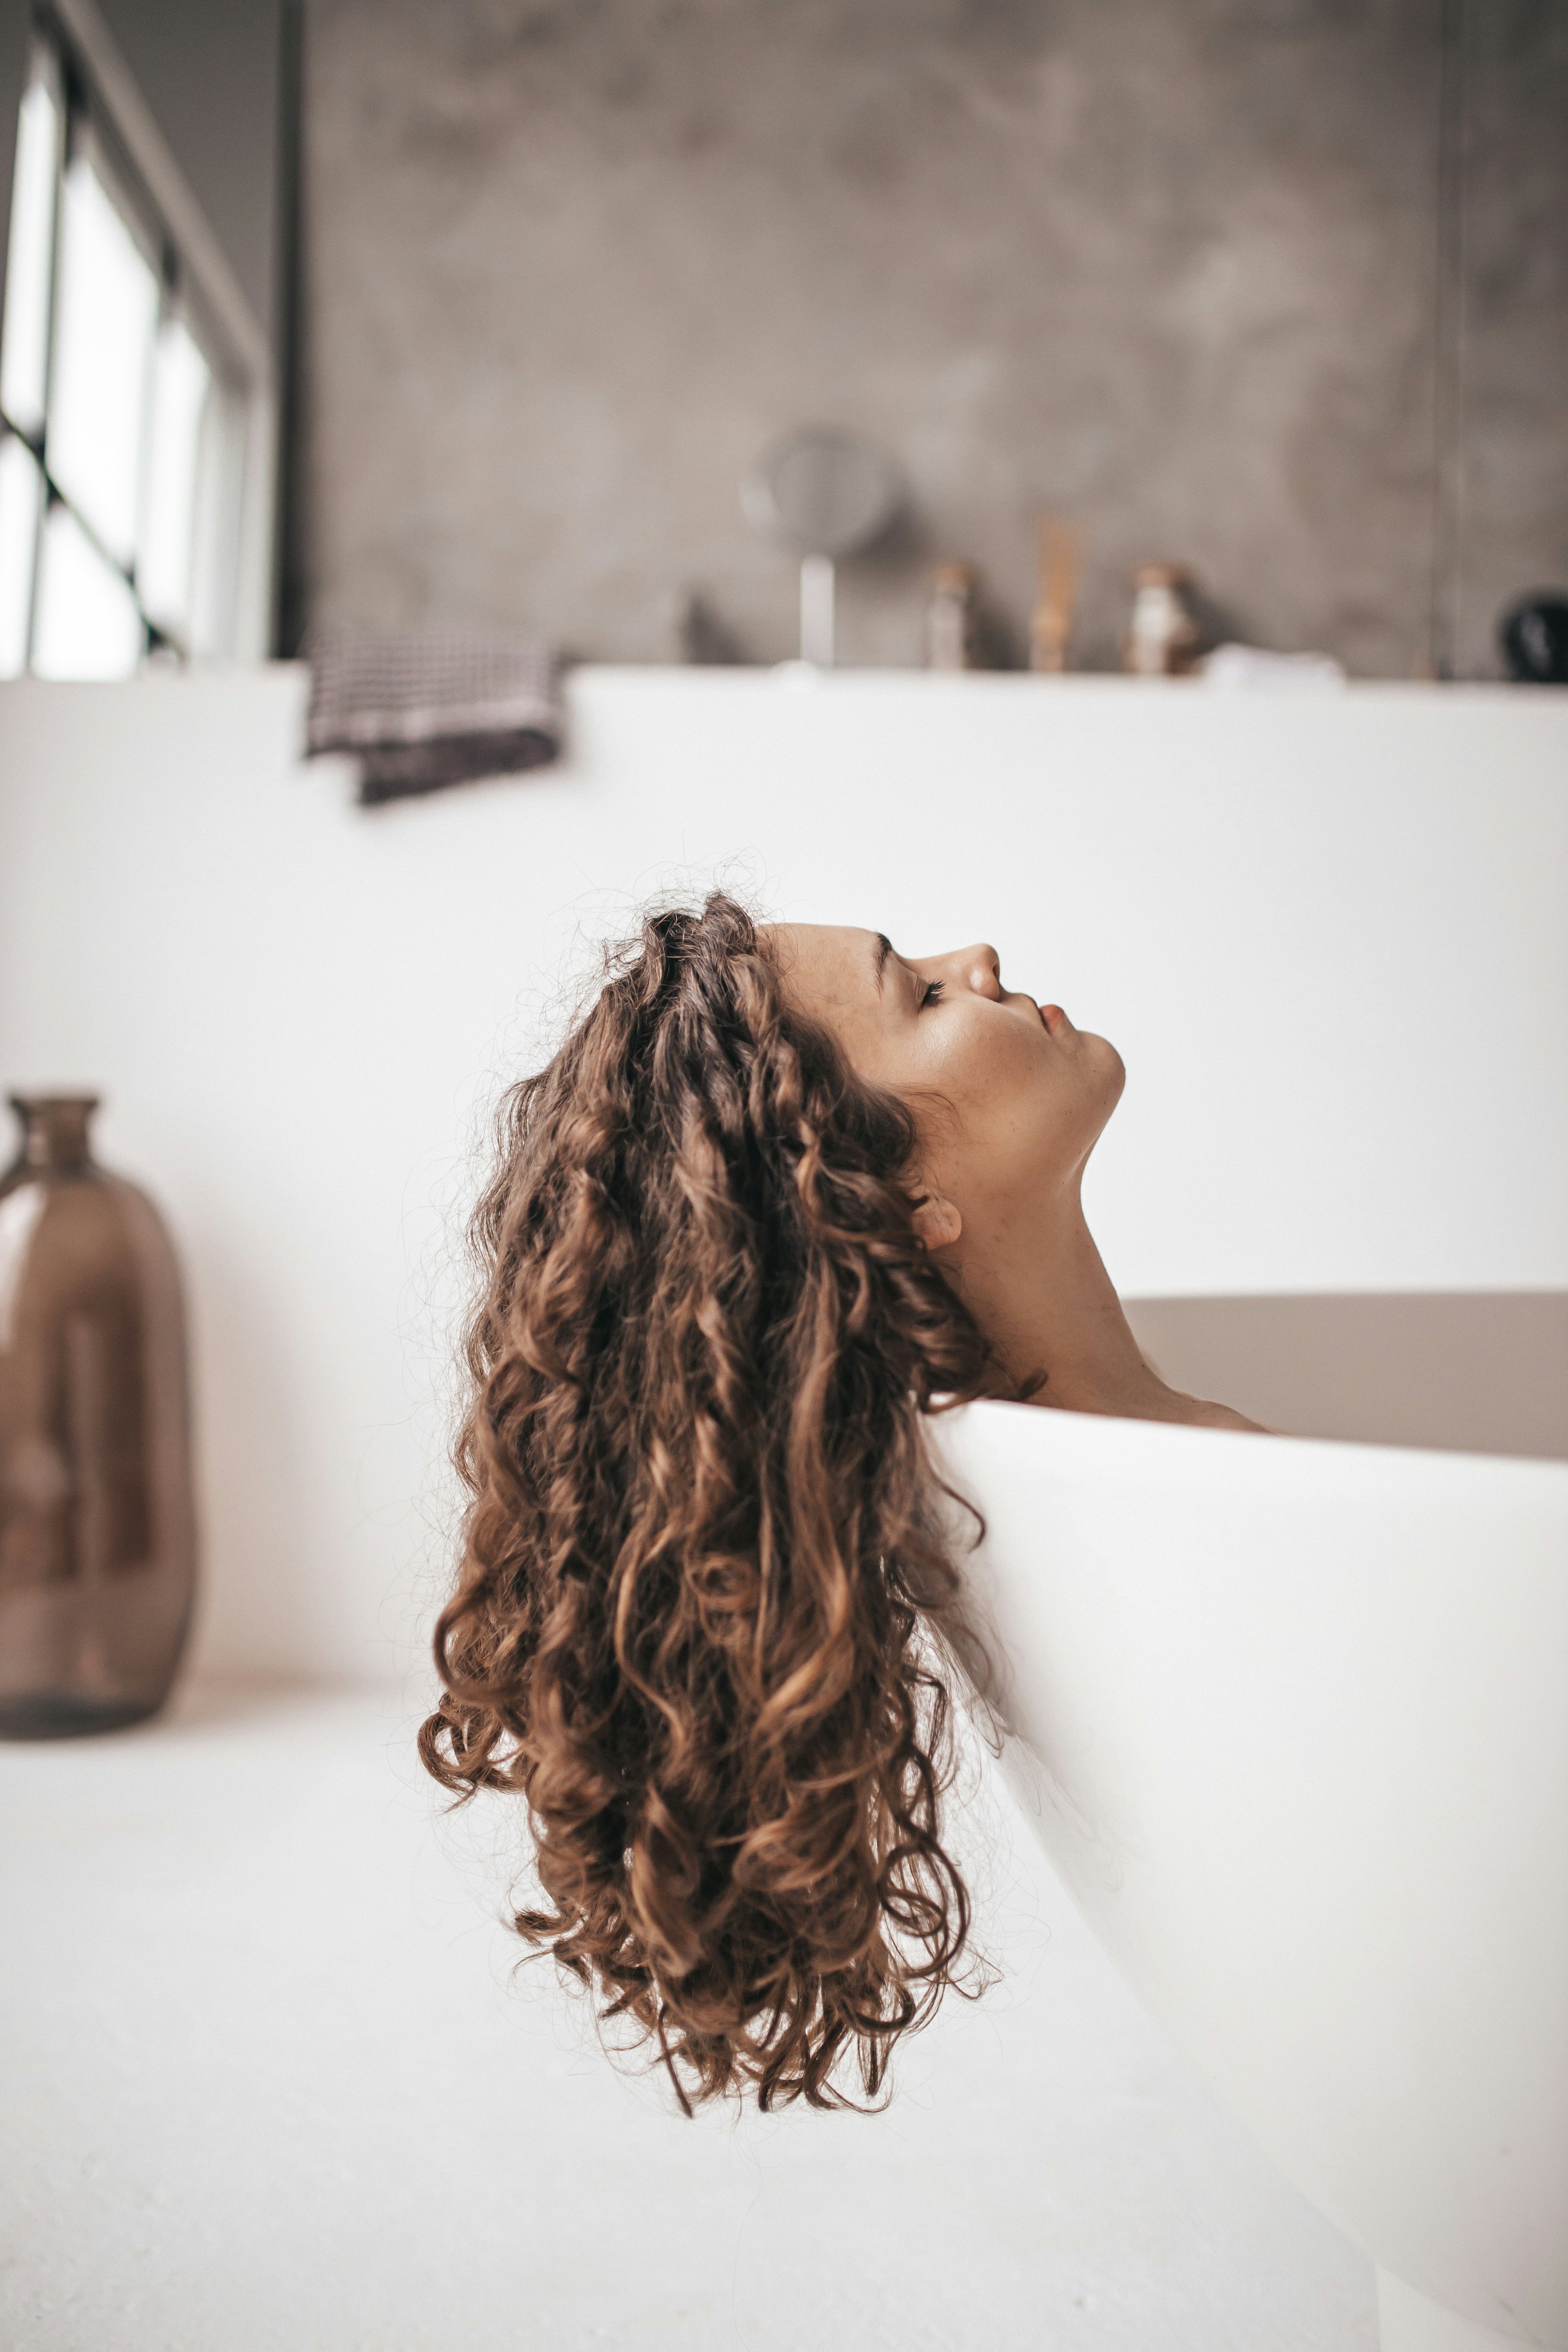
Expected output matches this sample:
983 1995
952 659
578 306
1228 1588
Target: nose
980 968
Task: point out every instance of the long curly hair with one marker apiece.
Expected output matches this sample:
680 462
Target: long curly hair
706 1605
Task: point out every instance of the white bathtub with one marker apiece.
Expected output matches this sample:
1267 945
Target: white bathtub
1290 1718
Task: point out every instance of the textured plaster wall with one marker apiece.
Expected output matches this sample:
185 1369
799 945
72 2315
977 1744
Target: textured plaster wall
1510 485
1174 269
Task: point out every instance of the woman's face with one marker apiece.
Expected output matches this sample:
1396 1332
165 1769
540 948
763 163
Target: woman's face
1009 1098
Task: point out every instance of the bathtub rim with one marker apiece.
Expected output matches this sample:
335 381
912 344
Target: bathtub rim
1190 1453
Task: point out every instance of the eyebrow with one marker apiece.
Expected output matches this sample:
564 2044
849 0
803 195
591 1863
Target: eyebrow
881 949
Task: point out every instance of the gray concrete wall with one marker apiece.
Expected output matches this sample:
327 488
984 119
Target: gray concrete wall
1510 490
1171 268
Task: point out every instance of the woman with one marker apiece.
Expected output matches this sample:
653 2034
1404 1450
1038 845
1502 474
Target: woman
780 1194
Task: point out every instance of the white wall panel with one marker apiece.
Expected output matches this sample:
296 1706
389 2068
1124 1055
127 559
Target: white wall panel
1330 935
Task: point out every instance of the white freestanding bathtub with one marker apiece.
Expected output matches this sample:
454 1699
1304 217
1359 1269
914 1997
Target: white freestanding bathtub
1290 1718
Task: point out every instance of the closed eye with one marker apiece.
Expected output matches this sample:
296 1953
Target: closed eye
929 993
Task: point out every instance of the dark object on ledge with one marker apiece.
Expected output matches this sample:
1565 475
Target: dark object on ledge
702 636
1534 634
431 707
98 1550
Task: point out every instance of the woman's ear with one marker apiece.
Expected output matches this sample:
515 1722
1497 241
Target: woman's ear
937 1223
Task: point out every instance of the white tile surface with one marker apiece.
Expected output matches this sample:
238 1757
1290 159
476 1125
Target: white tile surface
270 2082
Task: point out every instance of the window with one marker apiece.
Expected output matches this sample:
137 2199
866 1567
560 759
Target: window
129 405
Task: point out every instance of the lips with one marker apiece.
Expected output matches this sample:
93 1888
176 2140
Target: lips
1051 1015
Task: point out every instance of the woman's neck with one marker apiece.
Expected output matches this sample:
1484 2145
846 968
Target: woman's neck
1039 1291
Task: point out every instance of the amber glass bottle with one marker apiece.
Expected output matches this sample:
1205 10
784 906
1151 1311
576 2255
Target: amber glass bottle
96 1525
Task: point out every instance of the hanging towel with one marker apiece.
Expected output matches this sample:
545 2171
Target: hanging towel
430 707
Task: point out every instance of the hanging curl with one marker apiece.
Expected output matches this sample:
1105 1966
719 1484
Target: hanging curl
703 1559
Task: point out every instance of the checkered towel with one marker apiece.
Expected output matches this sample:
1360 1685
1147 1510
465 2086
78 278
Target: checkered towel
432 707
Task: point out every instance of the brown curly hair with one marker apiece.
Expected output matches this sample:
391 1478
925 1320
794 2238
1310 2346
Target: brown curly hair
704 1559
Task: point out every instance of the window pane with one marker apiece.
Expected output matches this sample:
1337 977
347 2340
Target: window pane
23 351
106 306
180 384
87 624
21 497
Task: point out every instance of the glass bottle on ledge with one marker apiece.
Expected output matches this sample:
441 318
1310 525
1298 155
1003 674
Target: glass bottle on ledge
1164 637
952 618
97 1520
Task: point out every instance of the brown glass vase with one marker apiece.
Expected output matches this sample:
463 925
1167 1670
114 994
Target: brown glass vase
96 1525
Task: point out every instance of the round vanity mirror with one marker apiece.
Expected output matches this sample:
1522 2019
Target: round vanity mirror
826 494
823 492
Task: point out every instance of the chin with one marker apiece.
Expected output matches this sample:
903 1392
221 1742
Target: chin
1110 1070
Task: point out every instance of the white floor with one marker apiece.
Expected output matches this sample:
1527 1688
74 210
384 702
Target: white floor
270 2082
